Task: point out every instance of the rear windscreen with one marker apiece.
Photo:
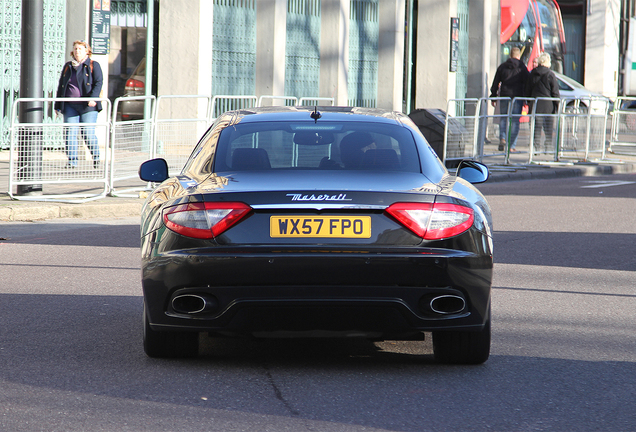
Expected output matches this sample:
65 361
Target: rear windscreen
323 145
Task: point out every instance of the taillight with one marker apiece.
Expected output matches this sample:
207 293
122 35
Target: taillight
204 220
133 84
433 221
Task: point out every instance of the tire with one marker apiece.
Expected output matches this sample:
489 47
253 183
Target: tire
462 347
168 344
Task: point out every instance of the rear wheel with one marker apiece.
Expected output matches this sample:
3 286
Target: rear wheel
571 109
167 344
462 347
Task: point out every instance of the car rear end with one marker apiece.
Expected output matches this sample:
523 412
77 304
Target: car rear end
135 87
319 246
380 264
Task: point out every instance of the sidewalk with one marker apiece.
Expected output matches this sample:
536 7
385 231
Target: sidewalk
23 210
518 170
113 207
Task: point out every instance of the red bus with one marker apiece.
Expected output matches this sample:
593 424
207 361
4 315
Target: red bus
535 26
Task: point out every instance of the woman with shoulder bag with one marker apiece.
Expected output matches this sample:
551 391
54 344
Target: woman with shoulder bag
81 77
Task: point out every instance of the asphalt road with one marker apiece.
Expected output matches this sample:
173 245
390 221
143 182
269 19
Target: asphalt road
563 354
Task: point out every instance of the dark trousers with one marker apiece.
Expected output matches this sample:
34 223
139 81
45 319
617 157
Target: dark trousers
514 118
545 124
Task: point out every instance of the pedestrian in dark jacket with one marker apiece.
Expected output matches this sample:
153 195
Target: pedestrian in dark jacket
510 80
81 78
542 83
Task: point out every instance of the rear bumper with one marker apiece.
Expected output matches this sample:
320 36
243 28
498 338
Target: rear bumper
132 110
377 294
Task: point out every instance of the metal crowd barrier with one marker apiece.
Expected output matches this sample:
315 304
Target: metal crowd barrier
131 143
39 154
461 130
316 101
545 131
220 104
583 129
176 137
287 100
508 115
623 132
574 133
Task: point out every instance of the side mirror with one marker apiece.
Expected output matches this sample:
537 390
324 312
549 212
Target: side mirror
472 171
154 170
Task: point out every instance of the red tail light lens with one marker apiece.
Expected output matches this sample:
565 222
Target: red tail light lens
204 220
433 221
133 84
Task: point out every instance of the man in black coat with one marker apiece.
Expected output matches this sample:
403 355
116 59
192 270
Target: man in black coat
509 82
542 83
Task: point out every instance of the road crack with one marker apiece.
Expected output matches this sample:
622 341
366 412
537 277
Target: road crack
279 394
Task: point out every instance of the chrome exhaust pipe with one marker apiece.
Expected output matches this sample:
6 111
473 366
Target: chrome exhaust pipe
447 304
193 304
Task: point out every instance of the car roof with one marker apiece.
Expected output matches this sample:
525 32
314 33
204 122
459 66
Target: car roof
571 82
326 113
576 88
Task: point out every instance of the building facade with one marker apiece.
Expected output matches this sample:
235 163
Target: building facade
392 54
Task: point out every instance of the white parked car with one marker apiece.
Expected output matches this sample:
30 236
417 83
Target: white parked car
571 90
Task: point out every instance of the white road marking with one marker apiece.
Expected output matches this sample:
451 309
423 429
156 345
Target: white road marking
606 183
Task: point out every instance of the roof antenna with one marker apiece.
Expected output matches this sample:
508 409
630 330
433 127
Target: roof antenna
315 115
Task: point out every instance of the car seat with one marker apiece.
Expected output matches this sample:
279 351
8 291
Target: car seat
250 159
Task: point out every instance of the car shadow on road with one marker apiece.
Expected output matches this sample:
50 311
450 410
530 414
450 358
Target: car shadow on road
49 339
315 351
564 249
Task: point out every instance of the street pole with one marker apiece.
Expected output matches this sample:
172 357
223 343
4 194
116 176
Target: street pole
31 86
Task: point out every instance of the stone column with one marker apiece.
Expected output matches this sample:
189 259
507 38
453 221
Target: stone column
435 85
185 55
391 55
334 50
271 33
484 28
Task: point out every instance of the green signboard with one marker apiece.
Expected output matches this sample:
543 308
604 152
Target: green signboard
100 27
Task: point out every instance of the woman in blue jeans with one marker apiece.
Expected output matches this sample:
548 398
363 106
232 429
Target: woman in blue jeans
81 78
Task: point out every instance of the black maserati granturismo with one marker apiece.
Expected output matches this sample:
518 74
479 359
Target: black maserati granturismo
316 222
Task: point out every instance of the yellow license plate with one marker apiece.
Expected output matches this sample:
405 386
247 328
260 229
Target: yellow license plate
320 226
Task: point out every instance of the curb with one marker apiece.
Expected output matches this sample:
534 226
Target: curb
27 212
551 172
